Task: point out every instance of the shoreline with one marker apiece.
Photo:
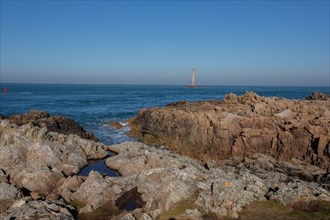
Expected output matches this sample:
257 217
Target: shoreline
39 172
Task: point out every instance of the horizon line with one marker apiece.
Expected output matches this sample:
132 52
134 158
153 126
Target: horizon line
150 84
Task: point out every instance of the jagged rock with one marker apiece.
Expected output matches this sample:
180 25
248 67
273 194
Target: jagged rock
161 177
3 177
36 159
223 187
240 126
39 210
318 96
93 193
41 165
55 123
145 216
8 195
69 185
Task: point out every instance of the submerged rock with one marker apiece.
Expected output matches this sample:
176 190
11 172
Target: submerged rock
240 126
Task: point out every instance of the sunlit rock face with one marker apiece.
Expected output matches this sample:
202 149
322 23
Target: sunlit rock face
164 179
37 159
241 126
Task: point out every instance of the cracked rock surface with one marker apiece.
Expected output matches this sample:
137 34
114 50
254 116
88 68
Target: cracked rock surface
241 126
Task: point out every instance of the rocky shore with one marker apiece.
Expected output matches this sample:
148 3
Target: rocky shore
34 163
241 126
56 123
39 174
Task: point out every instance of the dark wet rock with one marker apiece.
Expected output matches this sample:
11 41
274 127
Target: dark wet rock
318 96
56 123
240 126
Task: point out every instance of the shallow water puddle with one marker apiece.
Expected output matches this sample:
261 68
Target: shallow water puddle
99 166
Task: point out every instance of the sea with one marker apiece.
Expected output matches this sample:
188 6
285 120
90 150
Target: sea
94 106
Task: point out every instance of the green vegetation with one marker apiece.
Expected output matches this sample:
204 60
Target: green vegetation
260 210
273 210
107 211
179 209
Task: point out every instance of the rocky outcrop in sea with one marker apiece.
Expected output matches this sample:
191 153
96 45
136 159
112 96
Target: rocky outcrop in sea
318 96
241 126
56 123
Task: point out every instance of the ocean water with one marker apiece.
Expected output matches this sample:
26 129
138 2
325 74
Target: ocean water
93 106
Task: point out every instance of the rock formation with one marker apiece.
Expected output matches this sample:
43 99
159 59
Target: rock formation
54 123
163 179
240 126
34 162
38 179
318 96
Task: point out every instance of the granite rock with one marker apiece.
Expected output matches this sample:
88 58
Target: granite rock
37 159
56 123
220 187
23 209
240 126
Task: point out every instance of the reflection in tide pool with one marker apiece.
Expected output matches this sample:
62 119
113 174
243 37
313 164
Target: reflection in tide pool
100 167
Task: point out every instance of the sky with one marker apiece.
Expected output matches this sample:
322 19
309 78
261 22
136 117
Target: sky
279 43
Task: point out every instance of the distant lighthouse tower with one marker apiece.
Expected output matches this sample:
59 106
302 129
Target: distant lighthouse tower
193 84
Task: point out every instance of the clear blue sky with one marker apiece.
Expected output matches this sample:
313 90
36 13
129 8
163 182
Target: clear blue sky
145 42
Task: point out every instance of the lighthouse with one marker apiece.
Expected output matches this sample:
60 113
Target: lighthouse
193 84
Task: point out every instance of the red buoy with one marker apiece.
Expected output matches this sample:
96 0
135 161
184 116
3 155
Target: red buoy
5 90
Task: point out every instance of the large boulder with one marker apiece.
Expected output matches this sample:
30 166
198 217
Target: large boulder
240 126
93 193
